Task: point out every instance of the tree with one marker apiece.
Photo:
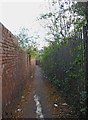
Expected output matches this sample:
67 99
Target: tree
23 37
63 19
27 41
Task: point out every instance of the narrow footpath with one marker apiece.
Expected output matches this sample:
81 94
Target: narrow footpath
41 100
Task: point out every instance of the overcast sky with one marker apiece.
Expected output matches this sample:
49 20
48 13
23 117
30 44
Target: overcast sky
23 13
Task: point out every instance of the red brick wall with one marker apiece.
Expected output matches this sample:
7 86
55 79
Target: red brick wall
15 64
0 70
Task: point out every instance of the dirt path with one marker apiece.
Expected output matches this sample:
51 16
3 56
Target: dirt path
41 100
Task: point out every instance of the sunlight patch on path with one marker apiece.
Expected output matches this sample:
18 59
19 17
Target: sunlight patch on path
39 113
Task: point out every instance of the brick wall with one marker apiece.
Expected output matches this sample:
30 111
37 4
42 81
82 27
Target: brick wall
14 67
0 70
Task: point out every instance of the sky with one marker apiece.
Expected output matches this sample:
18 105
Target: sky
23 13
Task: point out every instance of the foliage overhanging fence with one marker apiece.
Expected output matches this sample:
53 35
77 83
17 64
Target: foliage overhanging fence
65 68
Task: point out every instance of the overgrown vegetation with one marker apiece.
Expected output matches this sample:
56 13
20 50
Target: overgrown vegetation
63 61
